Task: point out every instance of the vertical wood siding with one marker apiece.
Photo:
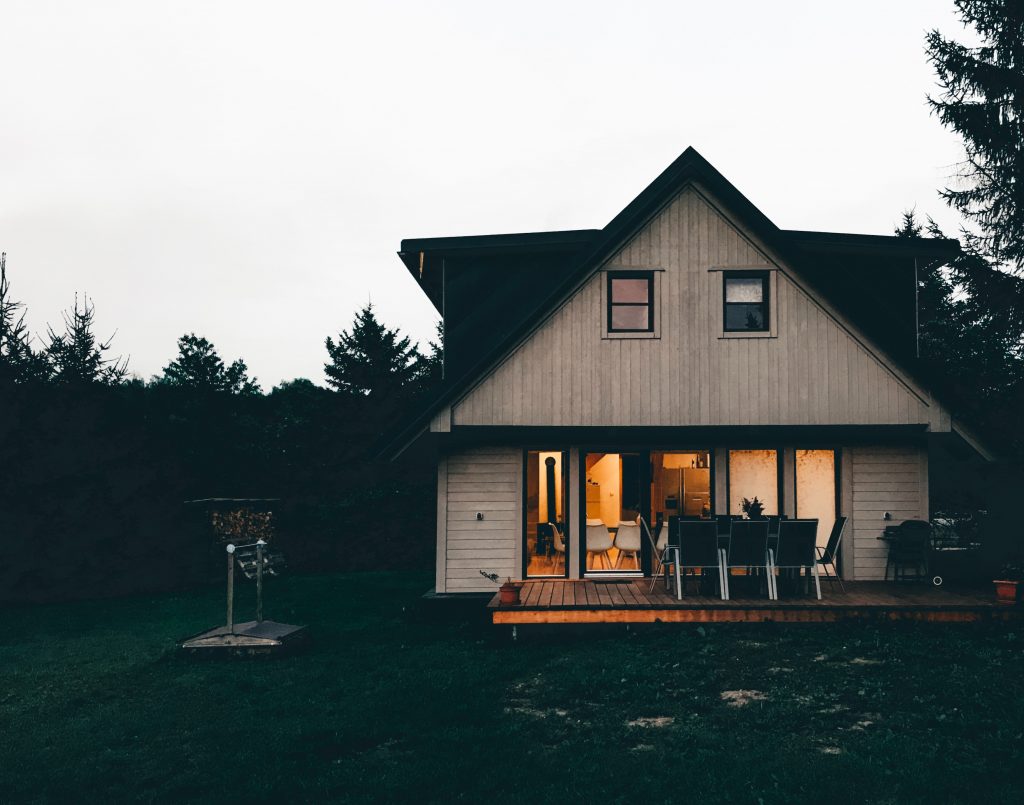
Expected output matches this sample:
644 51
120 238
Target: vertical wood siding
884 479
485 480
813 373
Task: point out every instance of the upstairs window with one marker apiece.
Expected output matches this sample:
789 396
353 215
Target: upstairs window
631 302
746 302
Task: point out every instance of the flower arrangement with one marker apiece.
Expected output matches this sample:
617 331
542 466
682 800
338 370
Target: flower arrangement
752 508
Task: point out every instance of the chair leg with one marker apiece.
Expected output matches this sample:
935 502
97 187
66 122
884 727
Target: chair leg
656 573
837 577
723 574
679 580
817 582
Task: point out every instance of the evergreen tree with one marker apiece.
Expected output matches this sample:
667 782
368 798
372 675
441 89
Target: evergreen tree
18 361
372 361
198 366
431 370
969 345
76 357
983 101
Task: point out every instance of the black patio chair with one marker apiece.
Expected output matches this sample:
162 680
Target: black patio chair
795 551
698 550
747 548
827 555
909 548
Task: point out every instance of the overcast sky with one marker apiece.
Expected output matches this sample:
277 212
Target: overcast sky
247 170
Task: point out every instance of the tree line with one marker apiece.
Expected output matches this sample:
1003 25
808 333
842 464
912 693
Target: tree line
96 465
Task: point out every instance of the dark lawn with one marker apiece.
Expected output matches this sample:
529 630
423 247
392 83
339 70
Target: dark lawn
388 705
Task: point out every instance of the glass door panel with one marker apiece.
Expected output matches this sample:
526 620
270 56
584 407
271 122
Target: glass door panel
546 535
613 500
754 474
680 484
816 489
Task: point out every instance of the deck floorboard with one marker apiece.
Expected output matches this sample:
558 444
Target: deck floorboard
630 601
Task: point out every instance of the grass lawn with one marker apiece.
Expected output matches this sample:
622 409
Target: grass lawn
388 705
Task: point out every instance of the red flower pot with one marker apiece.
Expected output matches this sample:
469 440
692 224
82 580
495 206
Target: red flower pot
1006 591
509 593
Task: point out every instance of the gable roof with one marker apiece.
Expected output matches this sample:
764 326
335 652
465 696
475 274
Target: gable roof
527 275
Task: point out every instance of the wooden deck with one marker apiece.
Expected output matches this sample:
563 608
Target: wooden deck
628 601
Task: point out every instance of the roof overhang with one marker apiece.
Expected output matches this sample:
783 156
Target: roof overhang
424 257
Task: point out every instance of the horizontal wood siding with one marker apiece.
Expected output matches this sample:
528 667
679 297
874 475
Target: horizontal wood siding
885 479
487 481
814 372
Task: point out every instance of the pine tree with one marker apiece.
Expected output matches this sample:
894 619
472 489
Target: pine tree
198 366
76 357
970 345
372 361
431 369
18 361
983 101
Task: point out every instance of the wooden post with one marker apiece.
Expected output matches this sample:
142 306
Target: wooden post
231 589
259 580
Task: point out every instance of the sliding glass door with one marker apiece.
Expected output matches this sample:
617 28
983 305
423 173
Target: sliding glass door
546 536
620 487
614 498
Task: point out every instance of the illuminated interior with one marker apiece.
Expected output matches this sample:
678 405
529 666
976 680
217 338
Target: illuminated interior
546 534
681 484
754 473
816 489
612 499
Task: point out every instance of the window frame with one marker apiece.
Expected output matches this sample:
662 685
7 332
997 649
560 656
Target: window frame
611 304
766 288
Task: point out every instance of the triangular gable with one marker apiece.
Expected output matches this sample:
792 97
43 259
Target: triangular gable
815 370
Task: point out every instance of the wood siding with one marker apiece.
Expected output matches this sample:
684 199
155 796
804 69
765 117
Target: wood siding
488 481
883 479
815 371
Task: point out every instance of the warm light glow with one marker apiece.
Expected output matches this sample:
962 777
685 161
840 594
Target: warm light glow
545 514
816 489
604 482
753 473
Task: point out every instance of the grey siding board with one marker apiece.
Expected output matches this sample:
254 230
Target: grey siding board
883 479
489 481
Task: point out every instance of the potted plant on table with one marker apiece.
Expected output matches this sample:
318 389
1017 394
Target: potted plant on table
508 592
1008 583
752 508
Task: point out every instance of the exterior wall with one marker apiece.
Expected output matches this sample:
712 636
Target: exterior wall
812 369
486 481
880 479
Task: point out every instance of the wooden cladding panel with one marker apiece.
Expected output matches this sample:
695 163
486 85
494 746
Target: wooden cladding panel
485 481
814 372
884 479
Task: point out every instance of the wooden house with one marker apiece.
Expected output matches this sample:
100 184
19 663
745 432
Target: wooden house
689 355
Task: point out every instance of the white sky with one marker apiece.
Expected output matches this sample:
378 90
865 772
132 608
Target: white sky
246 170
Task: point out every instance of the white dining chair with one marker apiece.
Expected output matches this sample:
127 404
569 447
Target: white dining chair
627 541
599 542
559 545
